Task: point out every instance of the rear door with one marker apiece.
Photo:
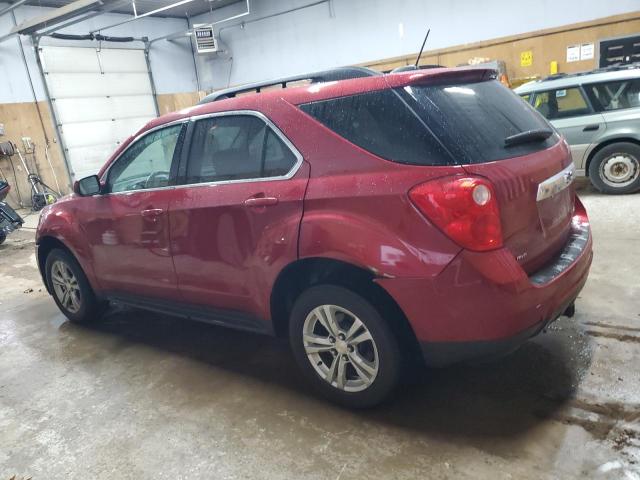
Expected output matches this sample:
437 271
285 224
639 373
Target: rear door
571 113
235 221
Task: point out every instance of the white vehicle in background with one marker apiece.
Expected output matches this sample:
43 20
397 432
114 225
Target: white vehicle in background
598 113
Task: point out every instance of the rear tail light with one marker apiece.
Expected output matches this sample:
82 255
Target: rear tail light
464 208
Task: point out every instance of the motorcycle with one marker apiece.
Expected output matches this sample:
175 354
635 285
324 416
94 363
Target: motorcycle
9 218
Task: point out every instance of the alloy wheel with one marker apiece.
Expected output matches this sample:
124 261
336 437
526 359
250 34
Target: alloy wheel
65 286
340 348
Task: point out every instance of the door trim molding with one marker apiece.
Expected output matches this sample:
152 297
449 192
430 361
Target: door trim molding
215 316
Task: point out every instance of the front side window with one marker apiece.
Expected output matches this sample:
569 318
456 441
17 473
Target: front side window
236 147
616 95
146 163
561 103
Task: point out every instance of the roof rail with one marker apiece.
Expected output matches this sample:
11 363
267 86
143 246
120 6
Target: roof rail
336 74
610 68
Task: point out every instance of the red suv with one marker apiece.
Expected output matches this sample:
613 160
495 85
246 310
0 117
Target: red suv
367 217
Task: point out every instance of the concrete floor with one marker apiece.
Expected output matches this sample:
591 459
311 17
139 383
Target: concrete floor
145 396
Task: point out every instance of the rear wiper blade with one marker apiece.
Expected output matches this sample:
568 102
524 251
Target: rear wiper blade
528 137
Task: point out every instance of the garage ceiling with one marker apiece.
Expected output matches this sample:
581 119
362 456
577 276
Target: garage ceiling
193 8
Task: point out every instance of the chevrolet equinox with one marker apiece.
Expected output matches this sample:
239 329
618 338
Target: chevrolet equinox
371 219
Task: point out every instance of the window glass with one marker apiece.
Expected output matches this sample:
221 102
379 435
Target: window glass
473 120
434 125
526 97
278 158
147 163
561 103
616 95
234 148
381 123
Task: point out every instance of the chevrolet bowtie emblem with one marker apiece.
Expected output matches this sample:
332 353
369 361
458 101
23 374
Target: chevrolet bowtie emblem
556 183
568 177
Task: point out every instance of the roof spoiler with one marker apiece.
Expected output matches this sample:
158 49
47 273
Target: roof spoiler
334 75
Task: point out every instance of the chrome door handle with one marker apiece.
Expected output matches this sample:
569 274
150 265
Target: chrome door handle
260 201
151 213
591 128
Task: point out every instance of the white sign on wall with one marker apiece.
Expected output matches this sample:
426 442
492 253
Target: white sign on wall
573 53
586 51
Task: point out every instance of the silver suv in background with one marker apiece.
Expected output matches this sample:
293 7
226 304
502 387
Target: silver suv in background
599 114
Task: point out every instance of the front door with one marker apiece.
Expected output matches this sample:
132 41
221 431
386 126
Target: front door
128 225
235 222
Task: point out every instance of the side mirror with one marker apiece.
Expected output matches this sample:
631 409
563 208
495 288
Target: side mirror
88 186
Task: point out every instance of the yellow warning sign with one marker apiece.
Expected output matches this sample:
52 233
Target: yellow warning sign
526 58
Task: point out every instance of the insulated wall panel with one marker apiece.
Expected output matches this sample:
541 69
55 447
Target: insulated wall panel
100 97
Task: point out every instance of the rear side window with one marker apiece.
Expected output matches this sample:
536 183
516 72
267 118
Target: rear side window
236 147
434 125
616 95
561 103
380 123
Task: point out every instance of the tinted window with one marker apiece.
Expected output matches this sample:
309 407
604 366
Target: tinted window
561 103
146 163
235 148
434 125
473 120
381 123
278 159
616 95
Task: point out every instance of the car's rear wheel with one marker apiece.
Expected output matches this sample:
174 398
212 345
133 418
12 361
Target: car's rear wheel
616 168
344 347
70 288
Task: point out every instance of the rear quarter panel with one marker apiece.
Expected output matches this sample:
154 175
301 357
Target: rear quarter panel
357 208
621 125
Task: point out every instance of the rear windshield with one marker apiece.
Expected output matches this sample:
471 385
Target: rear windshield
435 125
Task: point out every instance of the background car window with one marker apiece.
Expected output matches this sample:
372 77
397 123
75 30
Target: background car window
616 95
561 103
235 148
147 163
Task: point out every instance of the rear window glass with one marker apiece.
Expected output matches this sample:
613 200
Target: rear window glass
473 120
434 125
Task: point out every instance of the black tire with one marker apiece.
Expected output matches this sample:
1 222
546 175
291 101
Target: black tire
383 340
90 307
3 237
597 166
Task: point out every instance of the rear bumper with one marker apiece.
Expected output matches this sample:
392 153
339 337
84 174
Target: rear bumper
484 304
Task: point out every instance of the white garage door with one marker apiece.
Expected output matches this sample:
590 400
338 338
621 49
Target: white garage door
100 98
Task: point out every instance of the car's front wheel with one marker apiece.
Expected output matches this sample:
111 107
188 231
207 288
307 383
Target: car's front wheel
70 288
344 347
615 168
